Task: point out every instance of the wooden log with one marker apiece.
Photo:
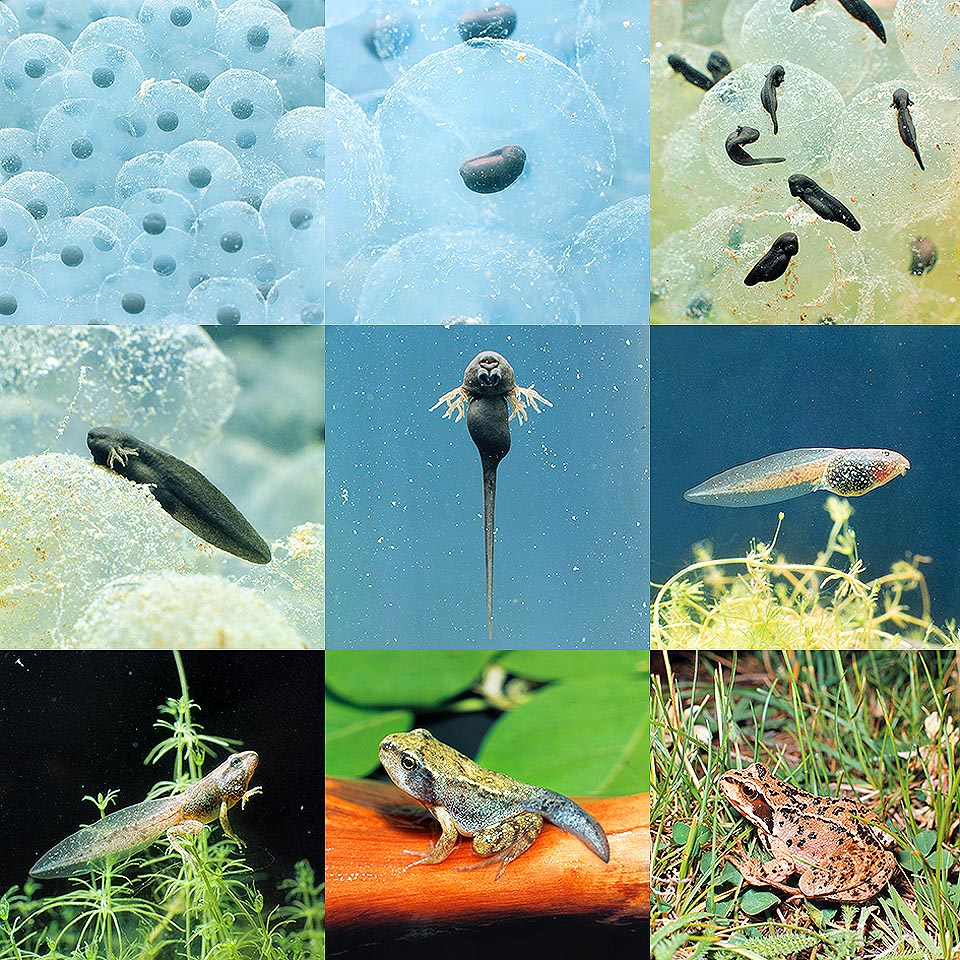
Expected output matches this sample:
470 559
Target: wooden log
374 831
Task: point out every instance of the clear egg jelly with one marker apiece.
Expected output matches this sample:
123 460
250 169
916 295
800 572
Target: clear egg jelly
711 218
161 160
410 103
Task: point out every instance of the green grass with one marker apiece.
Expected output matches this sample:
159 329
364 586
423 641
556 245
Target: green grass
158 906
764 600
877 722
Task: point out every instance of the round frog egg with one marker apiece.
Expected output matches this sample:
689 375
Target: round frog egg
292 213
56 19
170 253
241 109
928 32
254 35
104 72
116 221
302 75
227 235
463 102
203 172
607 264
30 60
22 300
18 152
171 114
136 295
227 301
44 196
299 137
471 277
75 255
155 209
168 23
195 68
297 297
85 148
121 32
18 233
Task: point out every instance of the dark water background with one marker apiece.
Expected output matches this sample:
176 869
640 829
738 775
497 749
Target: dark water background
722 396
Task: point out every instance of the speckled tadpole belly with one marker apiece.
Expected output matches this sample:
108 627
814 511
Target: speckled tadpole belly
793 473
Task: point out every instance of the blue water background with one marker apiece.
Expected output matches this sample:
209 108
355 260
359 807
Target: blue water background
722 396
405 563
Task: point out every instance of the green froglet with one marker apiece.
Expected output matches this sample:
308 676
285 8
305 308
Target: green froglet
504 816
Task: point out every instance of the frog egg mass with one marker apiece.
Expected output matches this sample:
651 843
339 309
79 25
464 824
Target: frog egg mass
469 151
861 102
138 142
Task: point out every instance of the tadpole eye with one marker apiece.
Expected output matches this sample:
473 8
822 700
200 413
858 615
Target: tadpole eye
407 762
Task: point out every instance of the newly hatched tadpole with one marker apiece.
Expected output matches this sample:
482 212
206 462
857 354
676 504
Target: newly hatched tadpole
858 9
923 256
689 72
735 143
821 202
494 171
718 65
768 93
908 133
494 23
185 493
131 829
794 473
773 264
491 397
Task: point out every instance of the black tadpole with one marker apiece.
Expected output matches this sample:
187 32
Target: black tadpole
689 73
858 9
768 94
773 264
820 202
862 11
735 143
908 133
718 65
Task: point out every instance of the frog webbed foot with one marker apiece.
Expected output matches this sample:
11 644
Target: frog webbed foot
456 401
519 397
773 873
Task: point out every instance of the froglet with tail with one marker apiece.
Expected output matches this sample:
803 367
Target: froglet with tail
793 473
504 816
491 397
133 828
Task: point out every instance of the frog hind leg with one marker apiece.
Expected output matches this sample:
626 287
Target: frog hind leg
507 840
186 828
853 877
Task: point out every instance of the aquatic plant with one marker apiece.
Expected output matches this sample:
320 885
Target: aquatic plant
764 600
154 906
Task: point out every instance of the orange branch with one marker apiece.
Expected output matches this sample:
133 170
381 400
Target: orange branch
374 831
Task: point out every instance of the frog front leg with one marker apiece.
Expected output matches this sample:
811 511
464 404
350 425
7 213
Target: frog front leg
444 845
456 401
507 840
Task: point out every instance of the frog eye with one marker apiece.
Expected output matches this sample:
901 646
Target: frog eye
750 792
236 761
407 761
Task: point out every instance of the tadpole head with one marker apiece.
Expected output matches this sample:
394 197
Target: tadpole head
488 373
901 99
798 183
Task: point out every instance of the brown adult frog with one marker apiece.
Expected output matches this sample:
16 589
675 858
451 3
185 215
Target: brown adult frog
835 846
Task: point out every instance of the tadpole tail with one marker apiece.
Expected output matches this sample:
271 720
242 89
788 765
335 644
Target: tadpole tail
489 502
